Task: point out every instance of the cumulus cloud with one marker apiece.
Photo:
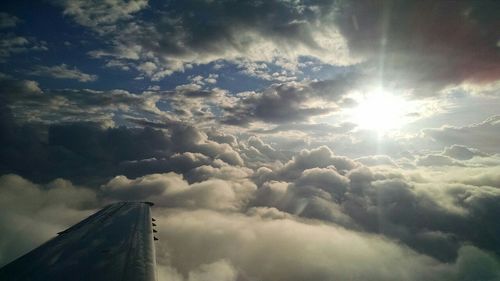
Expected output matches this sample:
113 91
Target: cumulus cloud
31 214
255 185
196 242
63 71
65 150
69 117
226 207
321 157
12 89
255 247
289 102
171 190
255 35
273 31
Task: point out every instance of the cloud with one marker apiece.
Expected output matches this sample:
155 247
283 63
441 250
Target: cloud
171 190
75 105
321 157
242 172
31 214
63 72
374 160
255 246
461 152
96 13
11 44
13 89
188 138
484 176
436 160
196 241
289 102
416 46
272 31
481 135
219 270
256 35
311 129
81 152
7 20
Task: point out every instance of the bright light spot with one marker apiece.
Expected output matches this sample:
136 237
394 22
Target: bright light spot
381 111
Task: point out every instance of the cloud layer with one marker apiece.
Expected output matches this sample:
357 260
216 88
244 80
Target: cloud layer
237 118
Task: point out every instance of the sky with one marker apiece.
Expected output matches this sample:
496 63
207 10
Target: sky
279 139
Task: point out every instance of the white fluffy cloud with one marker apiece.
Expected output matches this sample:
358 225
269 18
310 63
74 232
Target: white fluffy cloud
253 247
313 224
31 214
171 190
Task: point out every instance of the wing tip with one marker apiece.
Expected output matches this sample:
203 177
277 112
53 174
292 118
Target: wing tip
151 204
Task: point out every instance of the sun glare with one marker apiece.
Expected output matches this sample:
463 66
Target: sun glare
381 111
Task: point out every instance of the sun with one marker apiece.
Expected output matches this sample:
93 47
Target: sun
381 111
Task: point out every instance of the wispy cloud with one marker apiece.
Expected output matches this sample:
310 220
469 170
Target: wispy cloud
62 71
7 20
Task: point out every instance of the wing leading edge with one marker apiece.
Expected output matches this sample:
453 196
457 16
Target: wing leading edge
115 243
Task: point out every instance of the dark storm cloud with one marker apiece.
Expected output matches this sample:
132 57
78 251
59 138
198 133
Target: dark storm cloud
425 44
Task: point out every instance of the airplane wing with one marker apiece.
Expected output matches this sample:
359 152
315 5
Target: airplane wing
115 243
